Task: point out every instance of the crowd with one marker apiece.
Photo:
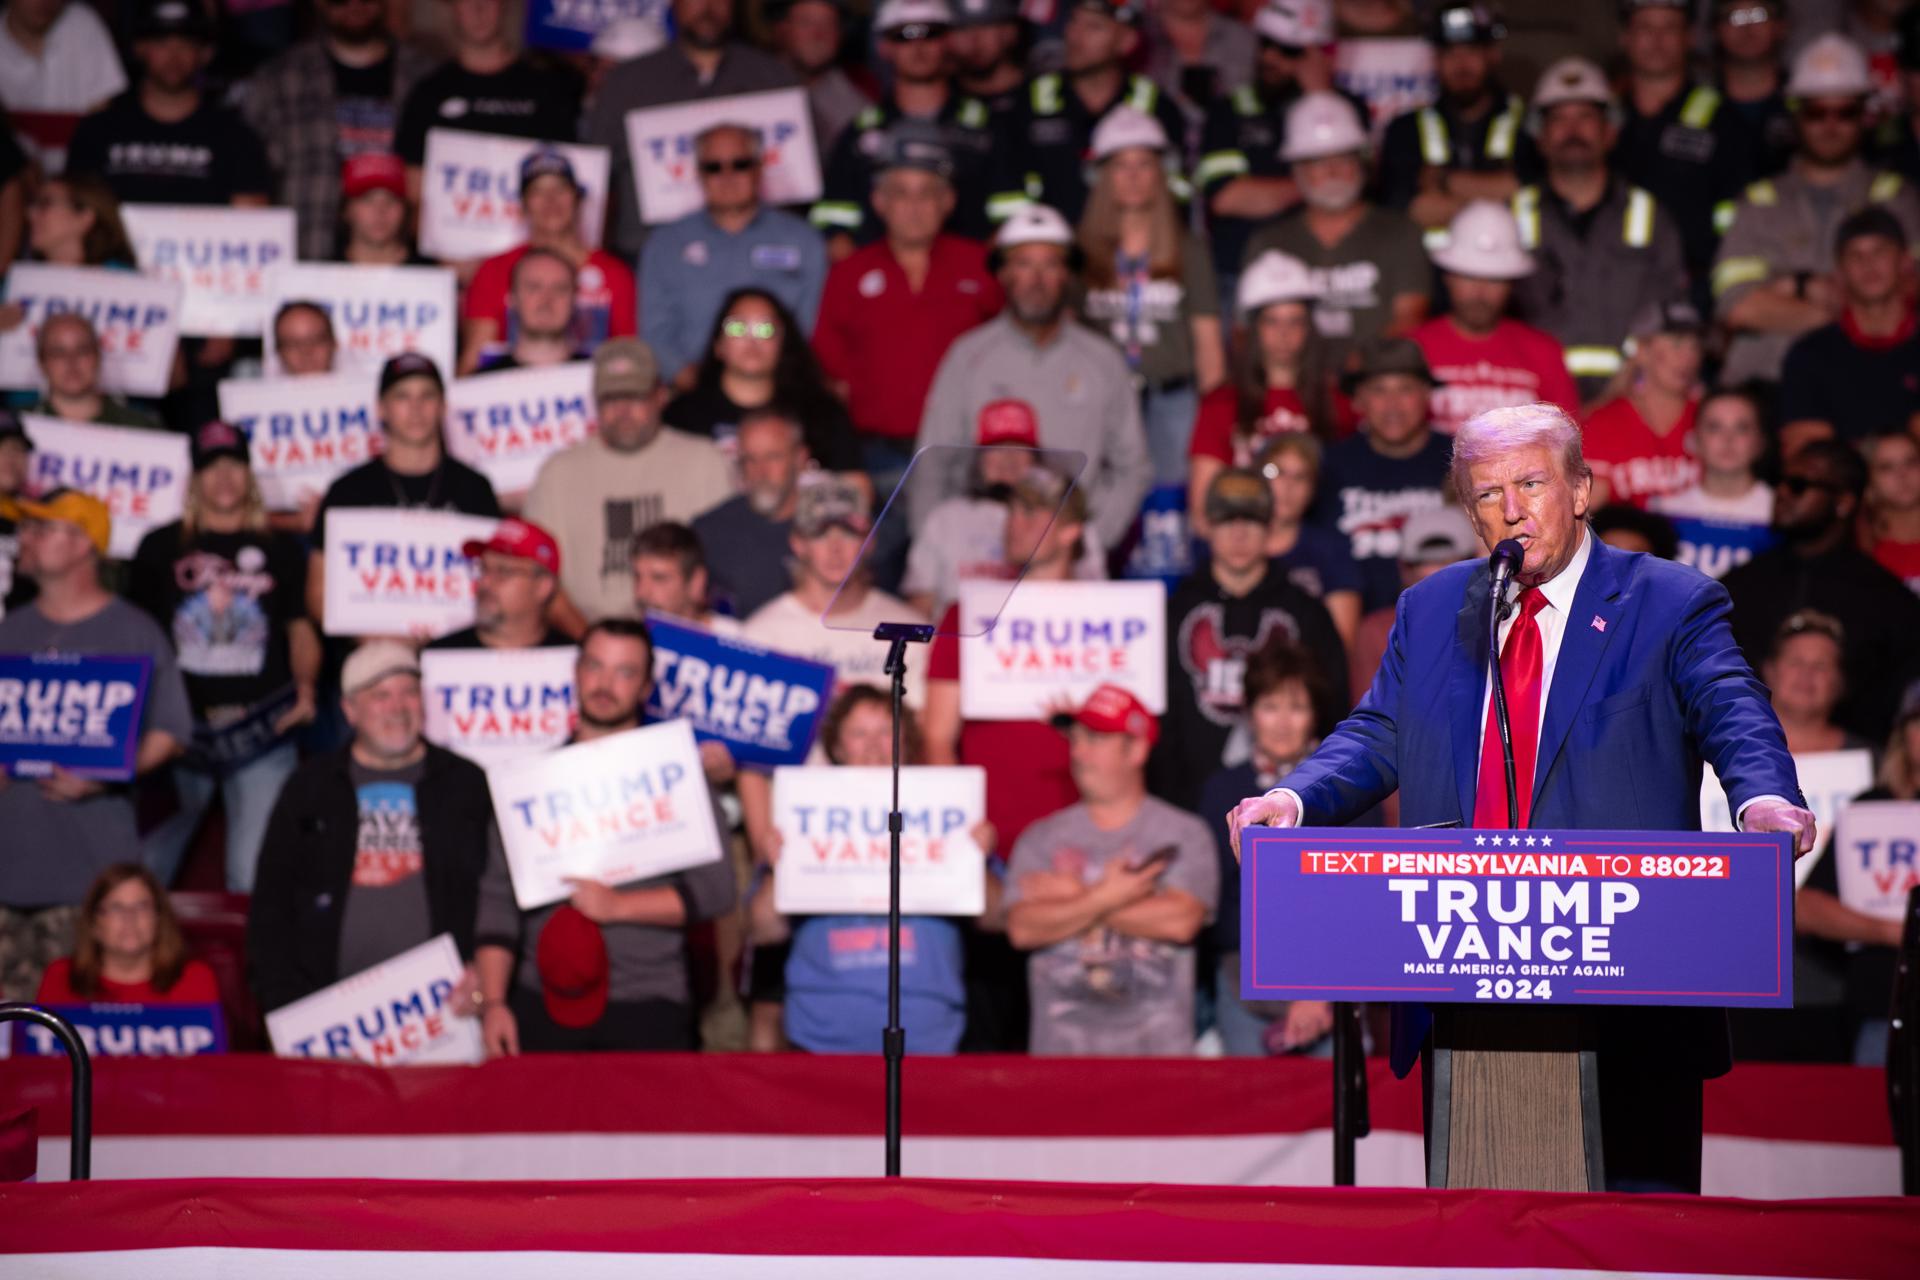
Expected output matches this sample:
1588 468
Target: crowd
1257 286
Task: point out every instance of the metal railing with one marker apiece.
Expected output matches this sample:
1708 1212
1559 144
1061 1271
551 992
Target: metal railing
80 1155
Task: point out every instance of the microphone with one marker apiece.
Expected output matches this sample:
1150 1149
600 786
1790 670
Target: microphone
1504 563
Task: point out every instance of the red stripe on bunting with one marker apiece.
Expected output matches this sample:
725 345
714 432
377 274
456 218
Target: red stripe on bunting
1407 1230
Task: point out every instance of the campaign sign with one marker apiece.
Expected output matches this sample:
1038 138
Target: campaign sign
394 1014
660 140
1829 779
225 748
1056 644
765 706
470 193
1878 845
81 712
1716 546
618 809
136 319
496 705
835 844
219 257
130 1031
570 25
399 573
506 425
377 312
141 475
304 433
1517 917
1392 76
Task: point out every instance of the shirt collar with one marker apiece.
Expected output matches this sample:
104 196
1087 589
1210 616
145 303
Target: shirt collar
1560 588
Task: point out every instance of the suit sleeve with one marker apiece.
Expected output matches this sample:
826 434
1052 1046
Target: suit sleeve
1727 709
1358 765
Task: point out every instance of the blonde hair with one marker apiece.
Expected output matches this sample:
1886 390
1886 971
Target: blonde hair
193 516
1099 233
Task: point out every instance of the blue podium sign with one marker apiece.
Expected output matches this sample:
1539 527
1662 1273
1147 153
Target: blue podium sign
131 1031
1517 917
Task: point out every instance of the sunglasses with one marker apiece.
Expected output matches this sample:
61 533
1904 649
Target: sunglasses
1851 114
714 168
916 33
1797 485
759 330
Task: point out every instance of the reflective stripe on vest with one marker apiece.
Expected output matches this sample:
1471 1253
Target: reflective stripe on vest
1723 211
1885 187
1638 230
833 214
1730 273
1220 164
1434 147
1045 96
1434 239
1142 94
1526 212
1505 131
1247 102
1593 362
1697 111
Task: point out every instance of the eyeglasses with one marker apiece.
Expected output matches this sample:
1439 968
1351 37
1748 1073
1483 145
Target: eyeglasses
1852 113
134 909
759 330
915 33
1797 485
741 164
1752 16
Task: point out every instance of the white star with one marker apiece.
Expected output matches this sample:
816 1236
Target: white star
1481 840
1546 842
1529 842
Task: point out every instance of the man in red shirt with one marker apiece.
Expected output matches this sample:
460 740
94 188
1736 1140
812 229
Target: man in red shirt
1637 442
909 295
1481 358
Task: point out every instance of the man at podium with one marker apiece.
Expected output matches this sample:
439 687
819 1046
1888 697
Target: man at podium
1621 677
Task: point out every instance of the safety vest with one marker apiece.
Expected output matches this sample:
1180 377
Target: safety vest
1436 147
1592 360
1048 96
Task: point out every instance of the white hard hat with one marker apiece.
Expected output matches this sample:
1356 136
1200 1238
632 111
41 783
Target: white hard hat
1274 277
1830 67
1322 124
1572 80
1298 23
895 14
1033 224
1124 127
624 39
1483 241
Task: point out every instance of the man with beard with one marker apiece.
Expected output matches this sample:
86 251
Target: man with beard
1049 133
540 305
515 576
1773 280
324 101
807 35
913 42
1481 357
702 62
1747 36
745 537
1370 271
1604 251
596 495
607 969
372 849
1074 380
1816 565
985 44
165 142
1470 144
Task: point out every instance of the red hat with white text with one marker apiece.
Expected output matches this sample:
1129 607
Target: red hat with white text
521 539
1111 709
1008 422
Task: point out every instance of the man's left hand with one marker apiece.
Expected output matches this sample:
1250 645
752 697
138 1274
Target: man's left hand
597 902
1778 815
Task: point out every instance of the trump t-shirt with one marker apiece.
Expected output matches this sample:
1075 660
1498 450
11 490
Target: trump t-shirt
1515 364
1638 463
386 910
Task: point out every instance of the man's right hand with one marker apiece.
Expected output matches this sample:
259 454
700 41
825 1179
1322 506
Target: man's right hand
499 1032
1261 811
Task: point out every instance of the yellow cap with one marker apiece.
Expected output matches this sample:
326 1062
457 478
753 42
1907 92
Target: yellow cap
76 508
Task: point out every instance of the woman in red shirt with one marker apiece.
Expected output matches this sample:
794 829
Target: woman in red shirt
128 949
1281 382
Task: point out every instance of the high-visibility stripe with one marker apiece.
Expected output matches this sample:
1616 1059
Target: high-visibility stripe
973 114
1638 229
1005 204
1143 94
1434 239
1504 132
1035 186
1434 147
1181 188
1593 362
1723 211
1697 111
869 118
1885 187
1045 96
836 213
1764 193
1220 164
1526 212
1730 273
1247 102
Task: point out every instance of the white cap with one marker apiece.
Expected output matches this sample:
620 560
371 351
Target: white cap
374 661
1572 80
1322 124
895 14
1483 241
624 39
1830 67
1274 277
1124 127
1033 224
1299 23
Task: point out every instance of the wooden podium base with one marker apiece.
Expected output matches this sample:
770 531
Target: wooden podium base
1514 1100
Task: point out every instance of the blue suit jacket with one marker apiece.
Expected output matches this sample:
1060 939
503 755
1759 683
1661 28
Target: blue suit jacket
1648 684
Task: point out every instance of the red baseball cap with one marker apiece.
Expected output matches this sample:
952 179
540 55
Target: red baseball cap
574 973
373 171
1009 422
1111 709
522 539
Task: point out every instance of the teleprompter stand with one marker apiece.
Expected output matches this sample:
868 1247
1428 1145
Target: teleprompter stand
897 635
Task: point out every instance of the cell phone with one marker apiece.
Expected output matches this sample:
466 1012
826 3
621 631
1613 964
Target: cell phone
1157 860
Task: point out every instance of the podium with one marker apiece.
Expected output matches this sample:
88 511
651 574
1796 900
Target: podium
1500 949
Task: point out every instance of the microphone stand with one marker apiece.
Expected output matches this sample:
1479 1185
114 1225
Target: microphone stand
893 1041
1499 608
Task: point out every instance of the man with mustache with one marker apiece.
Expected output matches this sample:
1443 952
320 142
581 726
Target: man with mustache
515 578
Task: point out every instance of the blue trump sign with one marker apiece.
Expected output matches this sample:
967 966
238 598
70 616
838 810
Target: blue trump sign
81 713
571 25
131 1031
765 706
1521 917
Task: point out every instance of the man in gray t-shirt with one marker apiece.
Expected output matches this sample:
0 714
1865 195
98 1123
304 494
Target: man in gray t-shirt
1109 895
63 830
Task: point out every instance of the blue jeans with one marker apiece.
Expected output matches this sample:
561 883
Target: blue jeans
1870 1042
1168 416
248 795
1243 1033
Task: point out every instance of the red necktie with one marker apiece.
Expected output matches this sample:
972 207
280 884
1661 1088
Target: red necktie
1520 661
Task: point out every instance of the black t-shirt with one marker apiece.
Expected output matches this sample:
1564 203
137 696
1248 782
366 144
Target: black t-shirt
363 109
1862 390
711 412
524 100
746 555
452 486
225 600
1366 496
208 158
470 639
1869 969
